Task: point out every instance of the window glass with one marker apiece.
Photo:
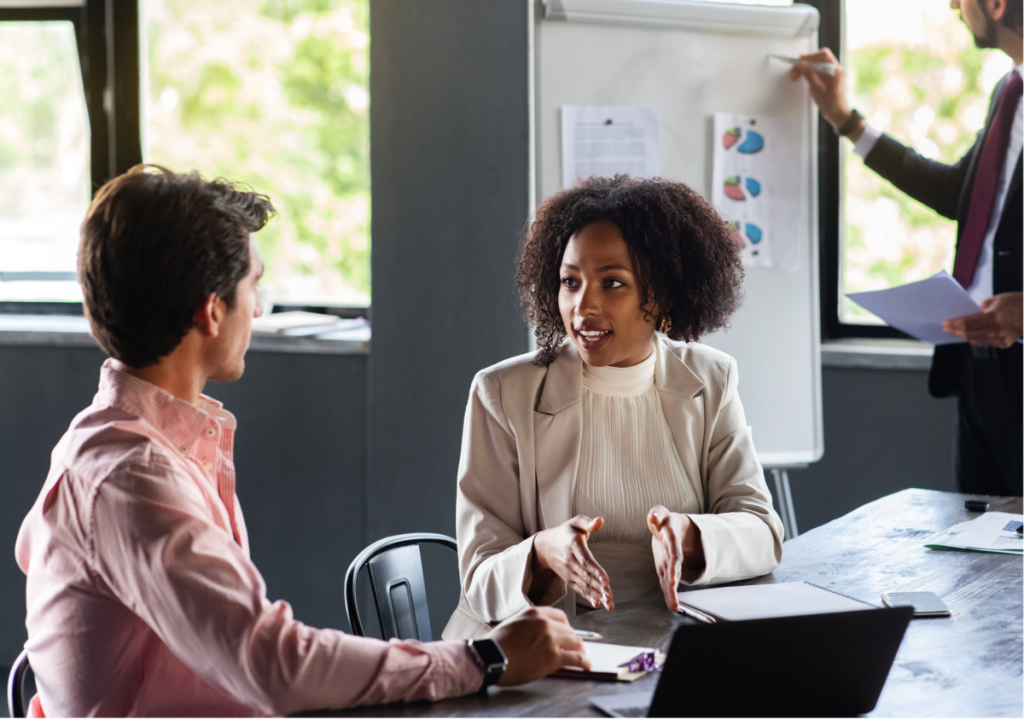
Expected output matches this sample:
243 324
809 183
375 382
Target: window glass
917 76
274 94
44 161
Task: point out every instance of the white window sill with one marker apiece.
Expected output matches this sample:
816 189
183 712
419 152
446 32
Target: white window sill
877 353
73 331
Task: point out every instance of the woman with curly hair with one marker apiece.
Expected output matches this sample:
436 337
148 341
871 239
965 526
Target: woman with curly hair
618 463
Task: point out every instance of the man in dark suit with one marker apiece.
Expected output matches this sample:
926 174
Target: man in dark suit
982 191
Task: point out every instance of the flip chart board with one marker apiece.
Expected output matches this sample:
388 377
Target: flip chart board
690 61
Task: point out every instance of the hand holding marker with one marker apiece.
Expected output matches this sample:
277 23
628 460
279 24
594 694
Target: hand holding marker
822 67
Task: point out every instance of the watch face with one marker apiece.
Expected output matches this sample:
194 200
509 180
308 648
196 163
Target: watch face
490 652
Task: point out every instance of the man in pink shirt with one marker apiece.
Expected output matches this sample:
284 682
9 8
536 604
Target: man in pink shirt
142 598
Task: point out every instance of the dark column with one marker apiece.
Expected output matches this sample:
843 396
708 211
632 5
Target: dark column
449 130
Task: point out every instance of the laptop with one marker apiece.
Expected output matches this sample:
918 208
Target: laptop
810 665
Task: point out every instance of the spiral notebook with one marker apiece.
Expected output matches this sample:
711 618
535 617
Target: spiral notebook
756 602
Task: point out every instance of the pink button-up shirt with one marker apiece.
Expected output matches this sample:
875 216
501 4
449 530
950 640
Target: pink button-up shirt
142 598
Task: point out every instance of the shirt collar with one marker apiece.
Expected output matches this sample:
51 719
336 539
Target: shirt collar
180 421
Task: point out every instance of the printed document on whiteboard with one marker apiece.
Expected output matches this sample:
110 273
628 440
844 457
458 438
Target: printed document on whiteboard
605 140
919 308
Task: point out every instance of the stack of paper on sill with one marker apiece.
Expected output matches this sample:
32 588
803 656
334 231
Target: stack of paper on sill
623 663
305 324
993 532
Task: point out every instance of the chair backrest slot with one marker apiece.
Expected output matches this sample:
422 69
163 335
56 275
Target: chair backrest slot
395 569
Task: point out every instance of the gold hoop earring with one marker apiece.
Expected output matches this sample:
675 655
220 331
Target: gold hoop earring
665 325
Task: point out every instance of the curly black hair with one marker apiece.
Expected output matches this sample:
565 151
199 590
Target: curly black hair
686 258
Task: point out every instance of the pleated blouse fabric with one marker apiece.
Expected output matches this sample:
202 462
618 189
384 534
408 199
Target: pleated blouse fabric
628 464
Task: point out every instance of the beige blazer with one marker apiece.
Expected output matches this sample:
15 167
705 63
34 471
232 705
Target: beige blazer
520 451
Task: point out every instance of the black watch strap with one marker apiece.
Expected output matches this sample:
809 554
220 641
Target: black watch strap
490 657
851 123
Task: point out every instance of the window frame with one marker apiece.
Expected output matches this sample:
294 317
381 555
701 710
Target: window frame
107 38
830 200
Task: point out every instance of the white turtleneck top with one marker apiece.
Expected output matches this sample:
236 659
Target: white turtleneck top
628 464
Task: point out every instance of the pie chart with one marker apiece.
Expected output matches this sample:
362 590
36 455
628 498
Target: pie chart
752 143
732 189
753 187
731 137
753 233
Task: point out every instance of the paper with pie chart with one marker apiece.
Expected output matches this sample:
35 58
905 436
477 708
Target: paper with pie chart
750 185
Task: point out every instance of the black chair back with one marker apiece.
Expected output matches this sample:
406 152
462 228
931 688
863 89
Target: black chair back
16 686
395 569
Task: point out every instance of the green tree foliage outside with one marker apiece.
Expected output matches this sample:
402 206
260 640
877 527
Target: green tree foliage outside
932 95
273 94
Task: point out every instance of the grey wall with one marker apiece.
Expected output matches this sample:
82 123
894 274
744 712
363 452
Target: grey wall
300 456
450 167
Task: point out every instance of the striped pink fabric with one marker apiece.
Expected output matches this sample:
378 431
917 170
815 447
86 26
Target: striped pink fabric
142 598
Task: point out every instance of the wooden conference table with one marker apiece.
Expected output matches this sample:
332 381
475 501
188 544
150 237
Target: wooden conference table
967 665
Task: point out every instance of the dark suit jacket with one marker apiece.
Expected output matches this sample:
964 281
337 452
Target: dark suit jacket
947 190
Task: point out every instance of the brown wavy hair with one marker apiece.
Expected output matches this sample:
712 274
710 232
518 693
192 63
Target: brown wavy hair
687 260
154 245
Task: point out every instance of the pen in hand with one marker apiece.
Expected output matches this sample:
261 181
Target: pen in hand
822 67
587 635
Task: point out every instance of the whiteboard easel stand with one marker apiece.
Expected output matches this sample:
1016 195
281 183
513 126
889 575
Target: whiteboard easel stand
782 492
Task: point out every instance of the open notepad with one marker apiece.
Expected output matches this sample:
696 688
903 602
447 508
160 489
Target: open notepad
612 662
755 602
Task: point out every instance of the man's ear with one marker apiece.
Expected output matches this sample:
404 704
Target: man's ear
209 316
996 9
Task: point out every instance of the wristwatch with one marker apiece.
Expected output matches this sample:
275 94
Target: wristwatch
491 659
851 123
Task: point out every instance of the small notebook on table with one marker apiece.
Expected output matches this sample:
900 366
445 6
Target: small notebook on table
756 602
624 663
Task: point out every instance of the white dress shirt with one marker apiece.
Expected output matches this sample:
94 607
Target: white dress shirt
981 286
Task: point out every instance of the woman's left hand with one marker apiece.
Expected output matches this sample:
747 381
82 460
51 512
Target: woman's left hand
673 538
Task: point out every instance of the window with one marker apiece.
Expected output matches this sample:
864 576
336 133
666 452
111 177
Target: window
268 92
919 77
44 160
68 123
273 94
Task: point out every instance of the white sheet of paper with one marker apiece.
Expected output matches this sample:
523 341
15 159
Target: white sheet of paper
919 308
605 140
990 532
755 184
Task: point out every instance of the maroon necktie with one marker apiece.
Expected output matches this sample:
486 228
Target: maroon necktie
986 179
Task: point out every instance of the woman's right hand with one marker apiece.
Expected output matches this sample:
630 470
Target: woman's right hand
563 550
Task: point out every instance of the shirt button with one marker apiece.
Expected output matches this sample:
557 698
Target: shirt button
184 449
208 465
211 431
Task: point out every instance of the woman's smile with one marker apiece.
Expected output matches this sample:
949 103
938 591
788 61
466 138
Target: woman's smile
592 337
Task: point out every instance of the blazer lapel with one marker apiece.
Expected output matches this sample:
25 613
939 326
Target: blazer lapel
682 402
558 431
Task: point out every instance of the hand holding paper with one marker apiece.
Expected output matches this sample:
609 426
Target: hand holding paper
1000 323
923 308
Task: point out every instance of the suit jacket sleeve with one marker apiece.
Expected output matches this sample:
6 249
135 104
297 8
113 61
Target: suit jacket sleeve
494 552
740 531
935 184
